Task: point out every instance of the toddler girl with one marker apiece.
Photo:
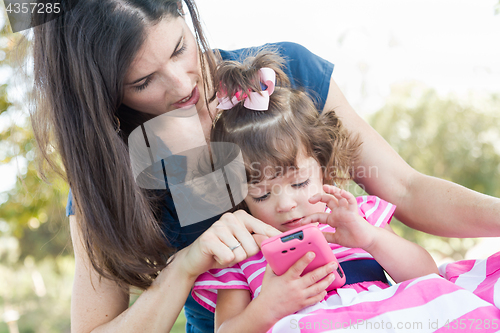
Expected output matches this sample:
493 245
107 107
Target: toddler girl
293 155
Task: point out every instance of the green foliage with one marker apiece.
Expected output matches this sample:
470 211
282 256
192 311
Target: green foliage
180 323
4 103
40 293
36 268
440 137
446 138
33 210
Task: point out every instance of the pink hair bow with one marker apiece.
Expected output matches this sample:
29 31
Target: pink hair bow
258 101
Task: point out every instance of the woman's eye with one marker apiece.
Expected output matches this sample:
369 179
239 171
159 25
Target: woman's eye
262 198
303 184
180 50
144 85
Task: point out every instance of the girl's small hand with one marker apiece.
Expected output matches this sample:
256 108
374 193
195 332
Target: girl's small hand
351 230
212 248
288 293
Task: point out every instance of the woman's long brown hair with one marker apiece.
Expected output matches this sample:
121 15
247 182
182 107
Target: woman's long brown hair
80 61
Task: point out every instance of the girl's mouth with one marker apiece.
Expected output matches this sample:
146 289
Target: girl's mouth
293 223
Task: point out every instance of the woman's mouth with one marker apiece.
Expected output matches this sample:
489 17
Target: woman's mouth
188 101
185 99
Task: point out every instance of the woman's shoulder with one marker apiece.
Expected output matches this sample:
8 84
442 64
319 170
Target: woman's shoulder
292 50
289 50
304 69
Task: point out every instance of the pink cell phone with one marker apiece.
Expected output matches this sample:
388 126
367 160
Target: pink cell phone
283 250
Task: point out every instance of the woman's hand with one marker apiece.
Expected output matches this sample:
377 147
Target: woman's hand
288 293
351 230
212 248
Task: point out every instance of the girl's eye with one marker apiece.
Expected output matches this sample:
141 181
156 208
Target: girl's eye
303 184
262 198
144 85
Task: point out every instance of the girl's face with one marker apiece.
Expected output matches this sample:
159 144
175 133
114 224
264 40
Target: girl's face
283 201
166 73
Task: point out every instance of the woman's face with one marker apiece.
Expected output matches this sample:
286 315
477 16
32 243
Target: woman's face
166 73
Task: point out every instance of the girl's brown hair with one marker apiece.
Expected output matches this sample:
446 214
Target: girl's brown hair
272 139
81 59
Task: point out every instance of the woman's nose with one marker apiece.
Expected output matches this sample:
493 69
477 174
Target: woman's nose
179 81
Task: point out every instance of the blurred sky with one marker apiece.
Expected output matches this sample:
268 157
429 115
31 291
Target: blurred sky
450 45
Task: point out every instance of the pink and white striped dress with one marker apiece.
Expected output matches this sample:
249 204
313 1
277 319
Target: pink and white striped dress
465 297
249 273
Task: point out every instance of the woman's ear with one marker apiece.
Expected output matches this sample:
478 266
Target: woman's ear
180 10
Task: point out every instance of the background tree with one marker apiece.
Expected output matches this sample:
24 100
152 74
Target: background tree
36 256
443 137
36 266
449 138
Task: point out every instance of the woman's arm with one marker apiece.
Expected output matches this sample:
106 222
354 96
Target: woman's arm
100 306
425 203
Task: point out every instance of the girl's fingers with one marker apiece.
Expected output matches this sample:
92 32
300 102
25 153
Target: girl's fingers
334 197
320 286
317 217
343 203
330 237
315 299
351 200
348 196
318 278
330 200
315 198
298 267
330 189
268 273
340 194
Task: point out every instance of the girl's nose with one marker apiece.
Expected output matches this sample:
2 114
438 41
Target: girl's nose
286 203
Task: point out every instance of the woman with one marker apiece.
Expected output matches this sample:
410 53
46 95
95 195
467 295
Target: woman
107 66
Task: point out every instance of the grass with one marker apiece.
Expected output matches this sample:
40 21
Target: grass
180 323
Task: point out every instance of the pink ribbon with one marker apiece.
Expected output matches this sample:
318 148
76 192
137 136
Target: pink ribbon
258 101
